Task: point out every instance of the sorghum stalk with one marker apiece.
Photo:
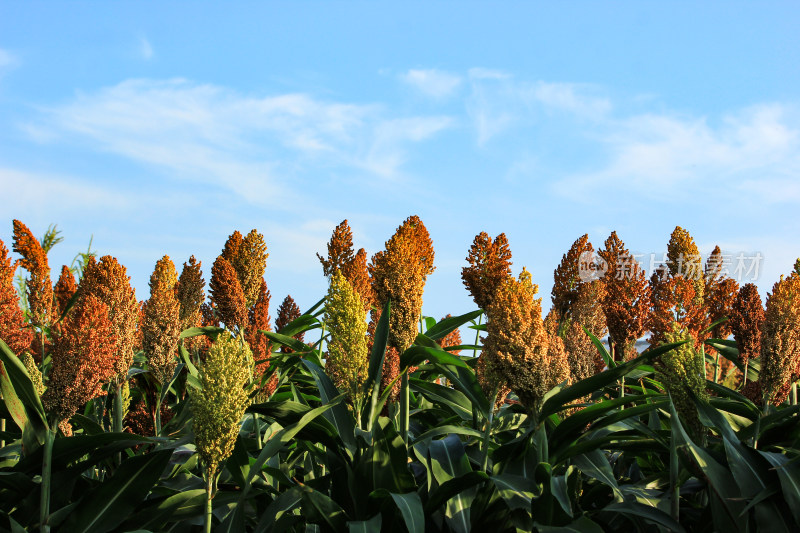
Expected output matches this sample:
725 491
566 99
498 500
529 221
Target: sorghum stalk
47 468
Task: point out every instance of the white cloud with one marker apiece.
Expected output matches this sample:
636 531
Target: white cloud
498 102
250 145
431 82
570 97
8 61
755 151
384 157
50 195
145 48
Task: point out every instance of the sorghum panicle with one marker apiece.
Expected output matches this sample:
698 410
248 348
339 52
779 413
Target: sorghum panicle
567 277
586 312
227 294
684 260
626 300
746 322
219 406
340 249
83 357
190 293
12 322
682 370
250 264
489 265
399 274
518 350
287 313
64 289
258 320
34 260
780 341
108 281
161 325
720 292
347 359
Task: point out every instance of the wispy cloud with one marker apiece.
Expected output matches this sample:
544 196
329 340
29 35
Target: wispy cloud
498 101
248 144
432 82
145 48
49 196
756 150
8 61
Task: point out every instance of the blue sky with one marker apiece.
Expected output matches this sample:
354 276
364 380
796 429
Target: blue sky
162 127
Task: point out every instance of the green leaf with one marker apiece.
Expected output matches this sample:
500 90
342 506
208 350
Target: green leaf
452 398
416 355
107 506
726 501
179 506
581 525
448 325
17 384
375 371
338 415
589 385
449 430
321 509
209 331
285 340
789 476
639 510
595 464
300 324
516 491
278 512
411 508
389 462
373 525
448 461
441 494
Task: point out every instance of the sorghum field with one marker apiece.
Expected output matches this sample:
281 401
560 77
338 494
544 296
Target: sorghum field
192 411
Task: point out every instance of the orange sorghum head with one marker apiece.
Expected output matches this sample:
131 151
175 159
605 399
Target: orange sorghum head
340 249
566 278
227 295
673 301
64 289
684 260
109 282
586 313
287 312
399 274
626 302
258 320
83 357
519 352
489 264
746 321
34 260
190 293
12 322
161 325
250 265
719 293
352 266
780 341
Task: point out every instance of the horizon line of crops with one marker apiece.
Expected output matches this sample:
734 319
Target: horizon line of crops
384 392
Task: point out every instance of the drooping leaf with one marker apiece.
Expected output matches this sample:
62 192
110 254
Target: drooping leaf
107 505
410 507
